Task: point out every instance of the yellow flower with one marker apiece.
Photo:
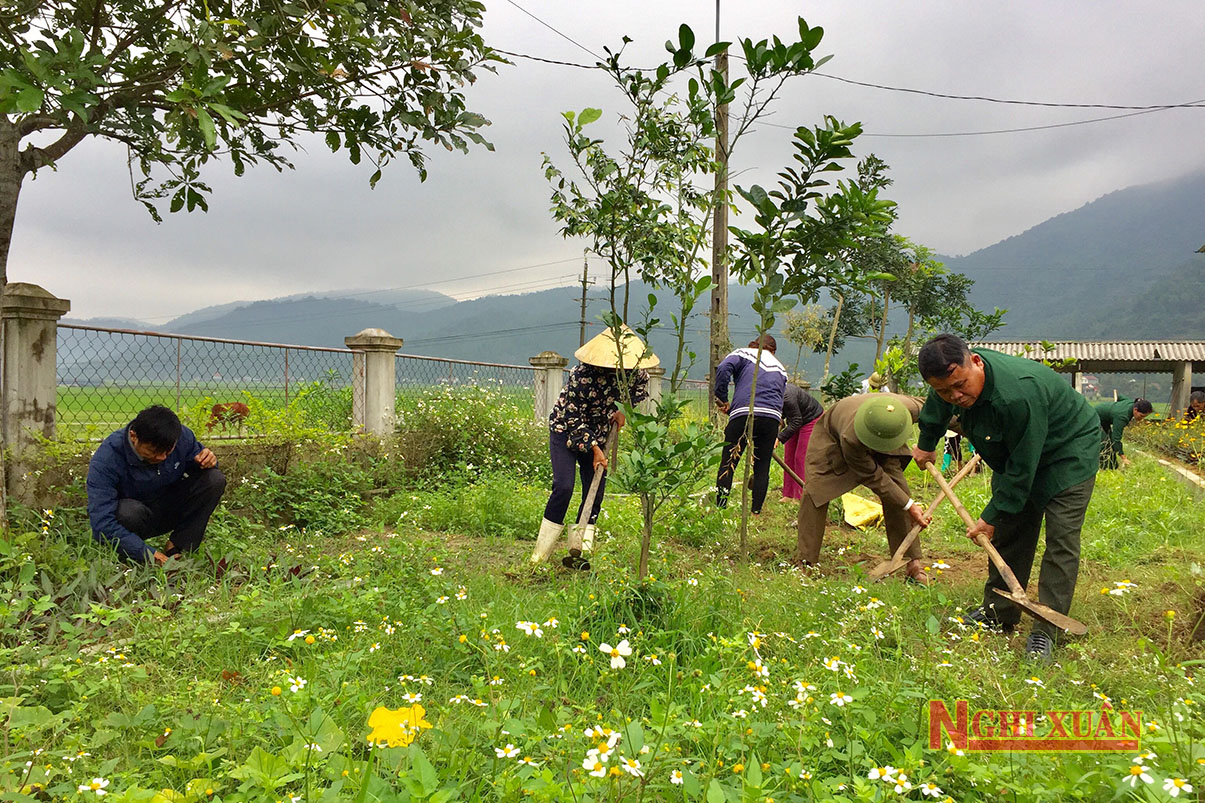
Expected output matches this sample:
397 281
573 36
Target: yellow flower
738 768
309 639
585 635
1169 615
397 728
276 691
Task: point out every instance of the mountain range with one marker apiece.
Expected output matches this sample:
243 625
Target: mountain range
1122 267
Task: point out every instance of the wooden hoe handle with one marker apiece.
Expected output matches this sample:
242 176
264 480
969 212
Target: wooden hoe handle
1013 585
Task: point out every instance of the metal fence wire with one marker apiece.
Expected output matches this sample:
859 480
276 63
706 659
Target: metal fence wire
105 376
417 376
416 373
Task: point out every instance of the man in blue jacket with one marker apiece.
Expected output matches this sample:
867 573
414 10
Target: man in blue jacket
150 478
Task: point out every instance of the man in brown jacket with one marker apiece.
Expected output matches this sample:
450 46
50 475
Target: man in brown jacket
862 440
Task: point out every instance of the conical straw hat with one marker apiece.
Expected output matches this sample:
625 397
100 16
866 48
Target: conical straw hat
600 350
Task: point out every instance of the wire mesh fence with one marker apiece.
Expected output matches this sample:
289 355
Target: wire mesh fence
697 391
105 376
416 376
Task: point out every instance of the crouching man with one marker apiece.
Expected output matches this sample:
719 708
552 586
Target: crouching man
151 478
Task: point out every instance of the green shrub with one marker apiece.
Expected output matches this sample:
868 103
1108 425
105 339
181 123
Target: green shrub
326 496
492 505
470 429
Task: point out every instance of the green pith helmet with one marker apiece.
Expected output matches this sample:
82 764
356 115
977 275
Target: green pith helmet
883 423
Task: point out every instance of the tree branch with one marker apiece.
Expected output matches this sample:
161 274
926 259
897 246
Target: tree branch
96 26
133 36
37 122
32 158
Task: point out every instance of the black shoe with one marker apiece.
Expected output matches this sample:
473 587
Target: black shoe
987 618
576 562
1039 646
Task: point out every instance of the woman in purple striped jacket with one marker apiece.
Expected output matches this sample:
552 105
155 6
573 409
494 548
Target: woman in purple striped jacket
764 404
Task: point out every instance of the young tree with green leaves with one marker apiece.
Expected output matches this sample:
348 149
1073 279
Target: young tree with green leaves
647 206
802 227
666 460
806 328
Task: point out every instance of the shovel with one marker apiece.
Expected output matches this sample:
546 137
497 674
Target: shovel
575 560
898 561
1017 595
786 468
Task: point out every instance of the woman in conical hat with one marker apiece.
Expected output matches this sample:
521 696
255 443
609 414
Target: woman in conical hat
580 421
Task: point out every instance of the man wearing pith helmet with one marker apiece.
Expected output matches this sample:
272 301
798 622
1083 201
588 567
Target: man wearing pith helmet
580 421
862 440
1042 441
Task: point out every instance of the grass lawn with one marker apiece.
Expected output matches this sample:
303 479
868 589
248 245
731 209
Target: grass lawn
263 676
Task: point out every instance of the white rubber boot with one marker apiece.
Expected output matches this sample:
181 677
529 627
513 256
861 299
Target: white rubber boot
588 538
549 533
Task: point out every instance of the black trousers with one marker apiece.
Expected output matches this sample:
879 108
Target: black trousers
182 509
1016 540
765 433
564 461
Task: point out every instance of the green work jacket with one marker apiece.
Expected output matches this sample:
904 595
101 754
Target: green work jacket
1038 434
1114 416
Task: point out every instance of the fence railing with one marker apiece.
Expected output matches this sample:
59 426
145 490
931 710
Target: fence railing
414 371
106 375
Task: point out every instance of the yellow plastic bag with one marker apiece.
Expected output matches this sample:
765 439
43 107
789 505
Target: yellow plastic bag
859 512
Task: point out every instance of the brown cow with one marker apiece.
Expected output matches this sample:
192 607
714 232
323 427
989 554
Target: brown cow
226 414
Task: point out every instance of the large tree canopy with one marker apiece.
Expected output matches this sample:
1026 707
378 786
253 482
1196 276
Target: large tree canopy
181 82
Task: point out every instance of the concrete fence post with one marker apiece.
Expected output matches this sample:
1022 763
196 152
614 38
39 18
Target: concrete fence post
30 316
1181 388
549 379
374 380
656 375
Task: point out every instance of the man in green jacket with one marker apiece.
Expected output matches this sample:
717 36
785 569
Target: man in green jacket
1114 416
1042 442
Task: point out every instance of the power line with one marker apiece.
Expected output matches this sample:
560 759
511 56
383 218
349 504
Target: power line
1009 101
564 36
491 334
1194 104
940 134
543 60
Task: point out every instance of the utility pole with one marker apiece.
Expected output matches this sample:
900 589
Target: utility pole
585 284
719 226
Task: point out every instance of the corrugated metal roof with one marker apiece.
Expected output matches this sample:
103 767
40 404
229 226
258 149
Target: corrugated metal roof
1161 350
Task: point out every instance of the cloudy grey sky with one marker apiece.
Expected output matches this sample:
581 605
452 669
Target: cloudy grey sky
80 234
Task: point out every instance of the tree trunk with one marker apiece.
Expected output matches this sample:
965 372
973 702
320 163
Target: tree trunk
882 336
10 188
832 336
749 454
646 508
675 380
718 341
627 288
